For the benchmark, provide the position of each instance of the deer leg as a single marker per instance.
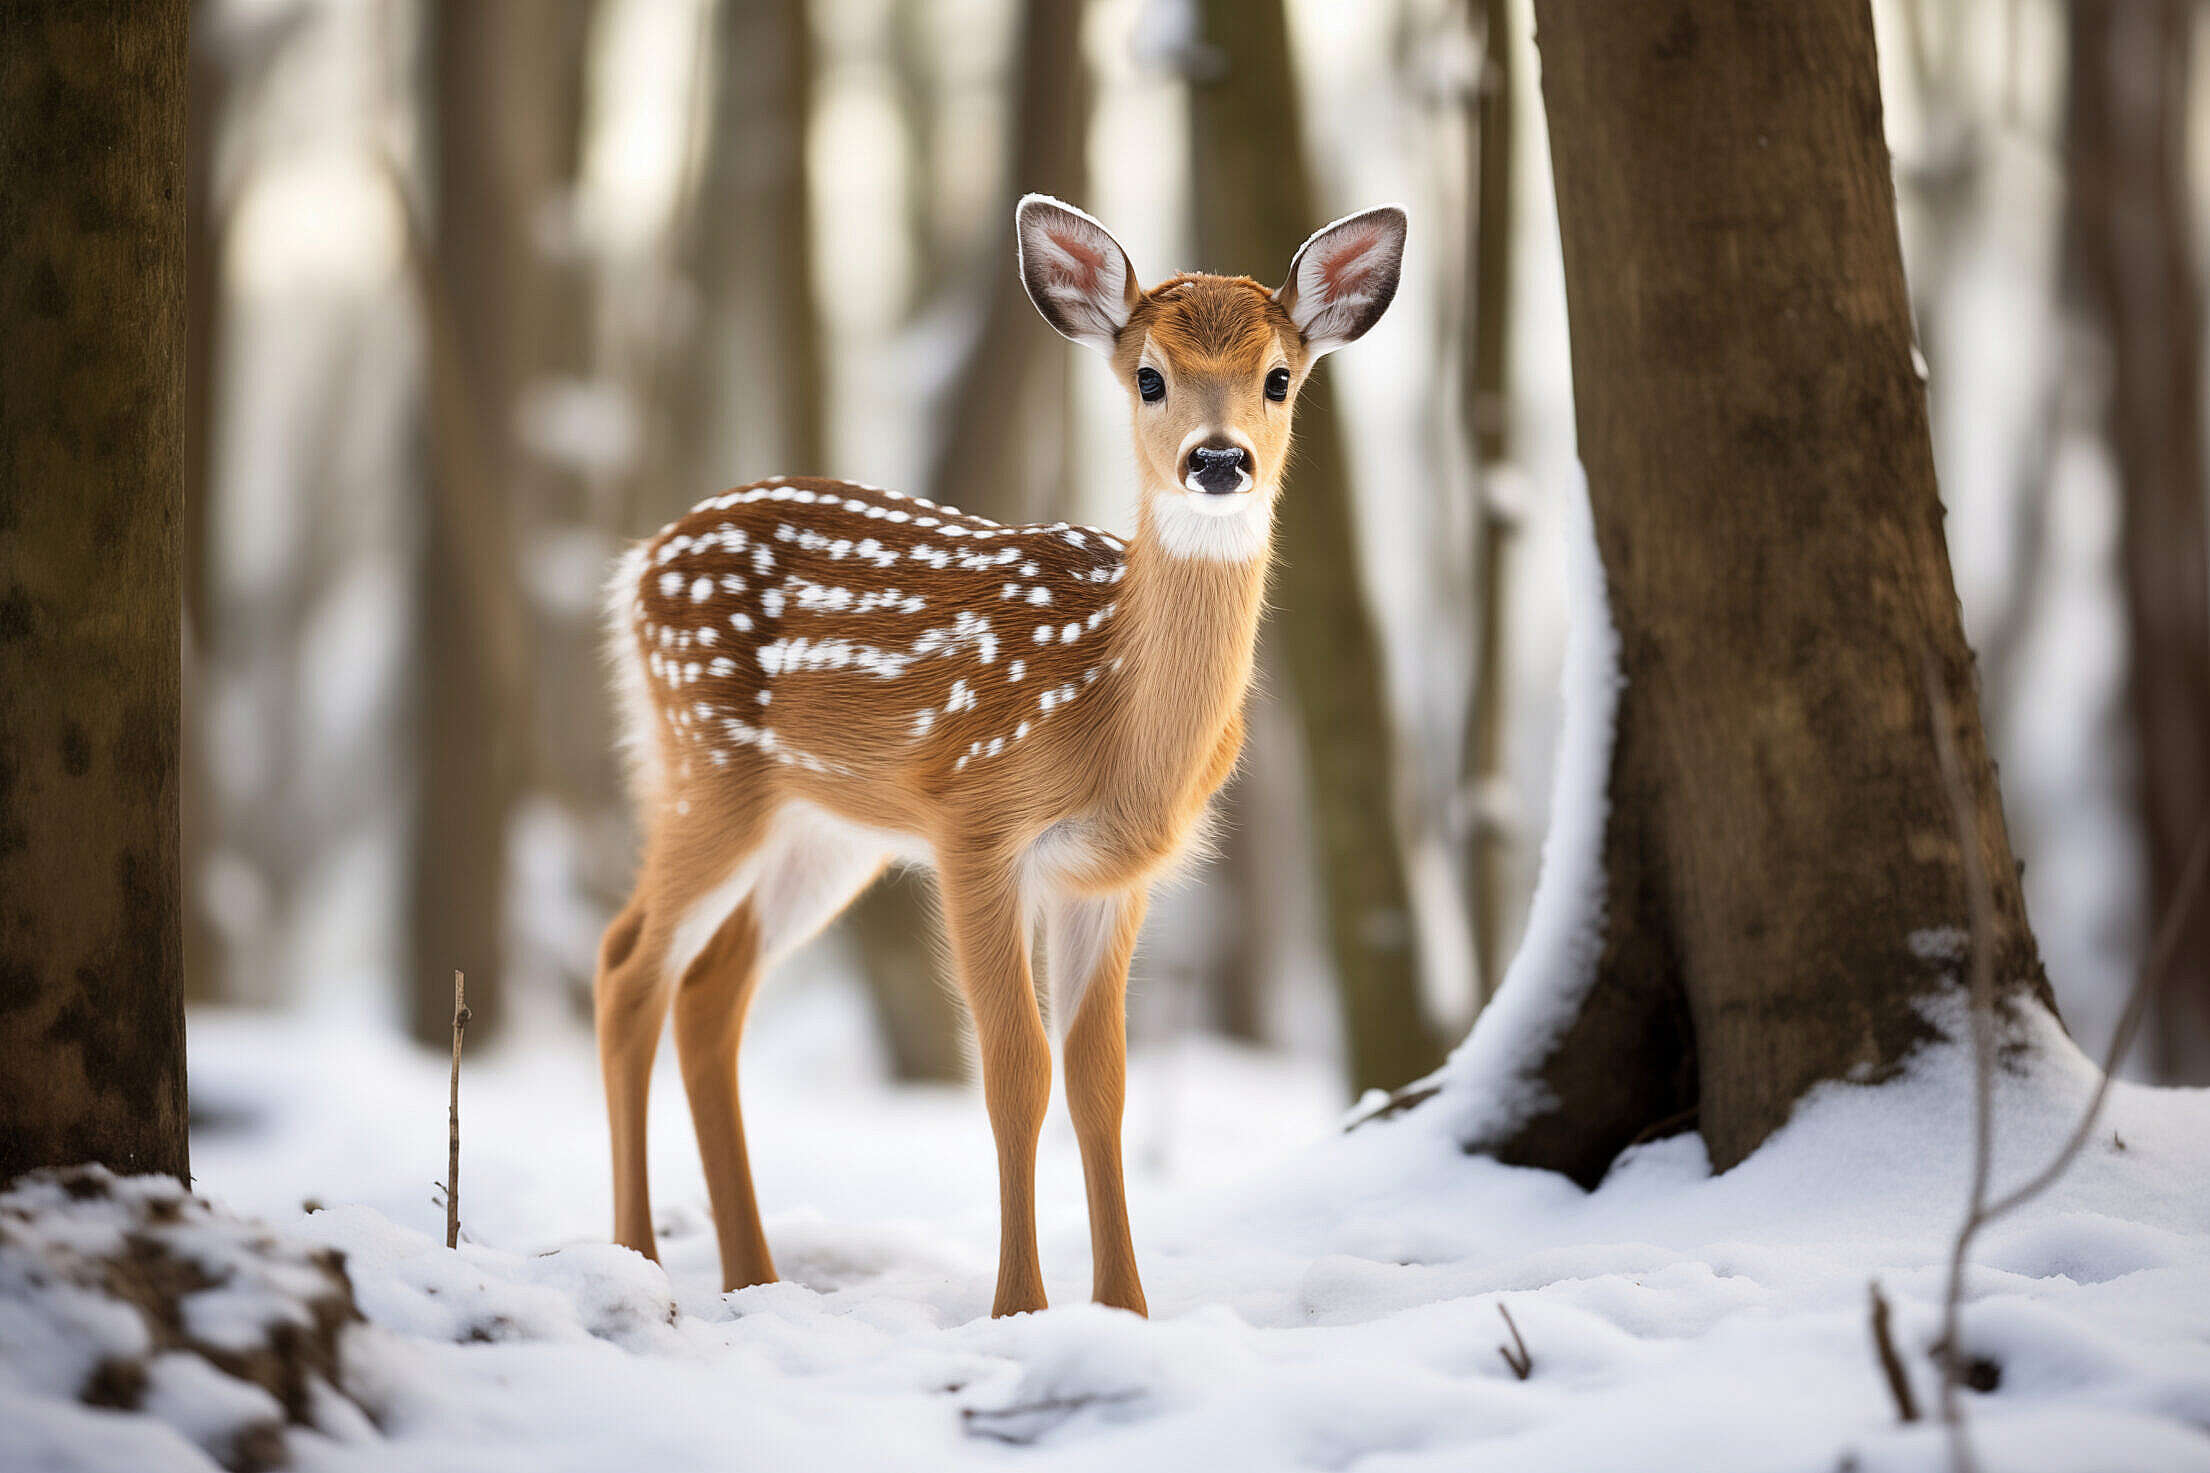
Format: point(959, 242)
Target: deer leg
point(806, 874)
point(631, 1002)
point(710, 1005)
point(1089, 942)
point(984, 917)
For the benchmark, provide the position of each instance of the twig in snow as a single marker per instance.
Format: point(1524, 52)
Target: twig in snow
point(1409, 1097)
point(1982, 1007)
point(452, 1122)
point(1521, 1363)
point(1891, 1364)
point(1021, 1424)
point(1666, 1126)
point(1981, 1212)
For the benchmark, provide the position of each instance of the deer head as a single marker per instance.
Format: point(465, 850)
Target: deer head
point(1212, 364)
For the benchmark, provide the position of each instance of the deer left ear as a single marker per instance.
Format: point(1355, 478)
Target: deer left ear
point(1344, 277)
point(1075, 272)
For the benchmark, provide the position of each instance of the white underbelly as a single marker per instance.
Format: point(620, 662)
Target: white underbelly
point(808, 868)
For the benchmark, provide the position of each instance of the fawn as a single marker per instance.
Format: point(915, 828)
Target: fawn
point(819, 678)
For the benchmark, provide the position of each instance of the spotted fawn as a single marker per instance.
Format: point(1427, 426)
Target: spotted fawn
point(818, 678)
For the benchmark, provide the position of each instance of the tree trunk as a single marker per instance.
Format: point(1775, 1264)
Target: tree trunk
point(92, 102)
point(1785, 880)
point(497, 72)
point(1004, 454)
point(1253, 206)
point(2130, 237)
point(206, 86)
point(756, 404)
point(1482, 411)
point(1005, 447)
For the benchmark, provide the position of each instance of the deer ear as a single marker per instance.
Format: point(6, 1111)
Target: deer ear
point(1342, 279)
point(1075, 272)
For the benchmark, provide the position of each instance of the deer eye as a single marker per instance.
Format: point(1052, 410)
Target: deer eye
point(1150, 385)
point(1277, 385)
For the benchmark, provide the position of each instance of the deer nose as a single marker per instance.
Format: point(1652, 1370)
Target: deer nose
point(1218, 470)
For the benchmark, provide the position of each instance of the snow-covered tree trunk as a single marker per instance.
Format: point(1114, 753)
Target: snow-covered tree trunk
point(91, 460)
point(1782, 879)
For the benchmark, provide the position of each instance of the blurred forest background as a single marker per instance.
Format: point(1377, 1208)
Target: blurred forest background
point(479, 289)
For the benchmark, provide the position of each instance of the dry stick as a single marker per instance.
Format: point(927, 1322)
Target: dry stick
point(452, 1119)
point(1891, 1364)
point(1522, 1363)
point(1982, 1212)
point(1982, 1003)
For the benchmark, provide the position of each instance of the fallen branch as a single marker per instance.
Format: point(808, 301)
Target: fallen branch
point(1672, 1123)
point(1891, 1364)
point(1409, 1097)
point(1522, 1363)
point(1023, 1423)
point(452, 1123)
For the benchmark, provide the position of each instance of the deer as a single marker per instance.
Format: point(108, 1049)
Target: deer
point(818, 678)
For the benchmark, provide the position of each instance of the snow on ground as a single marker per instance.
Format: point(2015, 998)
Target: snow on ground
point(1320, 1300)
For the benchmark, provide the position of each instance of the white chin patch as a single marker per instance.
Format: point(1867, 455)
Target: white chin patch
point(1232, 528)
point(1223, 503)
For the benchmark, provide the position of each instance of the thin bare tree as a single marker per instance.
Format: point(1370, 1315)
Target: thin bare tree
point(1254, 202)
point(2129, 236)
point(1003, 454)
point(504, 80)
point(1481, 381)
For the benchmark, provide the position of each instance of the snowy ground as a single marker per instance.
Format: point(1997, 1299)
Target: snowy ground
point(1319, 1300)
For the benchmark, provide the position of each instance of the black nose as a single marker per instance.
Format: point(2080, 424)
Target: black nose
point(1218, 469)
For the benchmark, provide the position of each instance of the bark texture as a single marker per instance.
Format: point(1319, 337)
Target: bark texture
point(2130, 65)
point(1785, 878)
point(92, 103)
point(1254, 206)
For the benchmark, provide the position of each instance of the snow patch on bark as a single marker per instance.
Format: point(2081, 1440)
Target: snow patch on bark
point(1491, 1083)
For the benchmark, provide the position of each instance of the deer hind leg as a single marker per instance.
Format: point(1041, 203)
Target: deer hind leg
point(805, 873)
point(630, 1000)
point(1088, 942)
point(987, 924)
point(656, 936)
point(710, 1005)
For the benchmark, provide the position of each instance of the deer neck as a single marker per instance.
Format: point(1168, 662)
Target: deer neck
point(1186, 636)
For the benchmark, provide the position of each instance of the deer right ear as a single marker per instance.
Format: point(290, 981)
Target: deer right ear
point(1075, 272)
point(1344, 278)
